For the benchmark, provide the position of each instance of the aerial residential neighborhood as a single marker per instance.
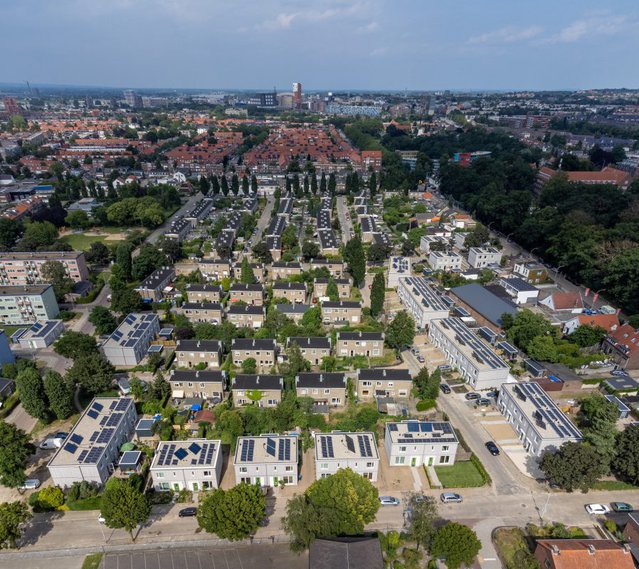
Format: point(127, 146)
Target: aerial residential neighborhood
point(304, 321)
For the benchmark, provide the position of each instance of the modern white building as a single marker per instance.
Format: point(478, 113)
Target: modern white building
point(480, 257)
point(92, 449)
point(422, 301)
point(417, 443)
point(267, 460)
point(521, 291)
point(128, 345)
point(336, 450)
point(444, 260)
point(535, 417)
point(27, 304)
point(39, 335)
point(471, 356)
point(398, 267)
point(195, 464)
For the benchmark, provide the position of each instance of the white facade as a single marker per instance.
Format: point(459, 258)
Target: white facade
point(357, 451)
point(417, 443)
point(480, 257)
point(128, 345)
point(421, 300)
point(398, 267)
point(267, 460)
point(444, 261)
point(27, 304)
point(471, 356)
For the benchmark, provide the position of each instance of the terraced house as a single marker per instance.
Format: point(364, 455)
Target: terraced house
point(383, 382)
point(246, 315)
point(267, 460)
point(204, 293)
point(259, 390)
point(325, 388)
point(320, 285)
point(281, 270)
point(341, 313)
point(293, 292)
point(191, 353)
point(249, 293)
point(357, 451)
point(313, 348)
point(263, 351)
point(201, 384)
point(210, 312)
point(368, 344)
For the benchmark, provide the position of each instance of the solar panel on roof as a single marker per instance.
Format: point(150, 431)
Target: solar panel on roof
point(122, 404)
point(270, 447)
point(113, 405)
point(94, 436)
point(36, 327)
point(75, 438)
point(195, 448)
point(130, 319)
point(83, 455)
point(93, 414)
point(97, 406)
point(413, 427)
point(350, 445)
point(181, 453)
point(251, 448)
point(392, 427)
point(70, 447)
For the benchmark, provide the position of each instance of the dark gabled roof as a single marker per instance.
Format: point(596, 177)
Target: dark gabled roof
point(247, 287)
point(246, 381)
point(341, 304)
point(384, 373)
point(366, 336)
point(319, 342)
point(204, 288)
point(293, 308)
point(246, 309)
point(202, 306)
point(285, 285)
point(283, 264)
point(345, 553)
point(321, 379)
point(198, 345)
point(201, 375)
point(253, 344)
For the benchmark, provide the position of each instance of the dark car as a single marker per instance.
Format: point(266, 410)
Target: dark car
point(492, 448)
point(187, 512)
point(445, 388)
point(621, 507)
point(472, 396)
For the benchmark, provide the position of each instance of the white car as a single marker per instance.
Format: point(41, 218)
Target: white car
point(597, 509)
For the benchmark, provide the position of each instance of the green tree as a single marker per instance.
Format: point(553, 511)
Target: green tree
point(354, 256)
point(10, 230)
point(15, 449)
point(253, 184)
point(123, 258)
point(98, 253)
point(314, 183)
point(50, 498)
point(54, 272)
point(310, 250)
point(340, 504)
point(457, 544)
point(78, 219)
point(574, 465)
point(38, 234)
point(232, 514)
point(93, 372)
point(32, 395)
point(331, 290)
point(378, 293)
point(332, 184)
point(289, 237)
point(526, 326)
point(378, 253)
point(422, 517)
point(103, 320)
point(312, 320)
point(247, 276)
point(148, 260)
point(13, 515)
point(262, 252)
point(249, 365)
point(59, 394)
point(543, 348)
point(400, 333)
point(75, 344)
point(586, 336)
point(124, 300)
point(625, 464)
point(124, 505)
point(323, 184)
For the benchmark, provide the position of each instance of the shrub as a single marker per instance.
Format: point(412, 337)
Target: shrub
point(611, 526)
point(47, 499)
point(160, 497)
point(184, 496)
point(425, 404)
point(82, 490)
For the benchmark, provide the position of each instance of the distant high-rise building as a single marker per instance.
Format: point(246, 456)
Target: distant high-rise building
point(297, 95)
point(11, 107)
point(132, 98)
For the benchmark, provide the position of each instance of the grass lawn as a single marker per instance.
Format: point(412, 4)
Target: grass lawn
point(9, 330)
point(460, 475)
point(512, 547)
point(92, 561)
point(82, 242)
point(93, 503)
point(613, 485)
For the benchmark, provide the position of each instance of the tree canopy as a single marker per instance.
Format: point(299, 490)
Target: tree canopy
point(16, 448)
point(124, 505)
point(400, 333)
point(457, 544)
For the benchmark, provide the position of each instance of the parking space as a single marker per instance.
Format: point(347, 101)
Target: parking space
point(396, 481)
point(257, 556)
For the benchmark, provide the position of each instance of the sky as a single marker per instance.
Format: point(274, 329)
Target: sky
point(324, 44)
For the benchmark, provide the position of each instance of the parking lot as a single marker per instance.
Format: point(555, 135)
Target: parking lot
point(256, 556)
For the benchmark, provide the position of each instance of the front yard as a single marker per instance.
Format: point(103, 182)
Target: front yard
point(462, 474)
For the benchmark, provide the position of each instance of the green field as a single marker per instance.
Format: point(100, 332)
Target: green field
point(460, 475)
point(92, 561)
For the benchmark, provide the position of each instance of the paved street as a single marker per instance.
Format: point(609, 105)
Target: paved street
point(346, 225)
point(264, 219)
point(155, 235)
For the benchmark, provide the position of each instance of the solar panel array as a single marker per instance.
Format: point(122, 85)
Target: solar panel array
point(424, 432)
point(546, 411)
point(364, 445)
point(327, 447)
point(270, 447)
point(424, 293)
point(284, 452)
point(248, 448)
point(170, 454)
point(481, 352)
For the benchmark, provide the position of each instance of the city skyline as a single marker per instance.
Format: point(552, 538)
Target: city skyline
point(335, 44)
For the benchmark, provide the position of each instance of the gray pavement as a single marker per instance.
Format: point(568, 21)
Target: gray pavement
point(264, 219)
point(155, 235)
point(346, 225)
point(21, 419)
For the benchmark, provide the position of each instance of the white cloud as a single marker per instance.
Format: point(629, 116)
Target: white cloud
point(368, 28)
point(285, 20)
point(604, 25)
point(509, 34)
point(378, 52)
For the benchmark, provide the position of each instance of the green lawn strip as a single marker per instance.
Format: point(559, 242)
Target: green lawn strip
point(93, 503)
point(613, 485)
point(460, 475)
point(92, 561)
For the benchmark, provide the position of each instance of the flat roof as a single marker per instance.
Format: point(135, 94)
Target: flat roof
point(268, 448)
point(131, 330)
point(419, 288)
point(39, 329)
point(484, 302)
point(338, 445)
point(471, 345)
point(192, 453)
point(622, 383)
point(542, 411)
point(25, 290)
point(519, 284)
point(34, 255)
point(94, 431)
point(409, 432)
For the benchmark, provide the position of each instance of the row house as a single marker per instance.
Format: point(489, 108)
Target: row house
point(325, 388)
point(341, 313)
point(314, 349)
point(261, 390)
point(210, 312)
point(191, 353)
point(417, 443)
point(293, 311)
point(267, 460)
point(263, 351)
point(383, 382)
point(204, 293)
point(249, 293)
point(293, 292)
point(246, 315)
point(338, 450)
point(281, 270)
point(152, 287)
point(368, 344)
point(215, 269)
point(320, 286)
point(200, 384)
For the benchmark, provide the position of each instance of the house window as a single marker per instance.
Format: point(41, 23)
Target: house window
point(444, 459)
point(445, 448)
point(402, 449)
point(207, 473)
point(370, 465)
point(159, 474)
point(324, 466)
point(289, 469)
point(164, 486)
point(243, 469)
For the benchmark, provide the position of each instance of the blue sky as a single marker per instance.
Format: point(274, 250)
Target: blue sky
point(325, 44)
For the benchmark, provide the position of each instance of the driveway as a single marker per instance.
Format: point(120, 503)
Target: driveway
point(21, 419)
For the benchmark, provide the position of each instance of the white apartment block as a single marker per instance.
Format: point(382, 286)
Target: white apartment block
point(444, 261)
point(417, 443)
point(25, 268)
point(337, 450)
point(422, 301)
point(267, 460)
point(27, 304)
point(128, 345)
point(398, 267)
point(480, 257)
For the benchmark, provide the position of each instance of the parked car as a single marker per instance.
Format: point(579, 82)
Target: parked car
point(51, 444)
point(445, 388)
point(597, 509)
point(60, 435)
point(30, 484)
point(388, 501)
point(187, 512)
point(472, 396)
point(483, 402)
point(619, 372)
point(492, 394)
point(101, 519)
point(414, 351)
point(444, 367)
point(622, 507)
point(421, 359)
point(451, 498)
point(492, 448)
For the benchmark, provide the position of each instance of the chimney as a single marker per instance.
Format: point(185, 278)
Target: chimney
point(257, 380)
point(198, 343)
point(321, 378)
point(591, 549)
point(555, 549)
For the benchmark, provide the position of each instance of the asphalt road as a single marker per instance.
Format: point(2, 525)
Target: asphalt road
point(264, 220)
point(345, 224)
point(155, 235)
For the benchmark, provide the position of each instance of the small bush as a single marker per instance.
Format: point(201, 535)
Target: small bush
point(47, 499)
point(426, 404)
point(160, 497)
point(184, 496)
point(82, 490)
point(611, 526)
